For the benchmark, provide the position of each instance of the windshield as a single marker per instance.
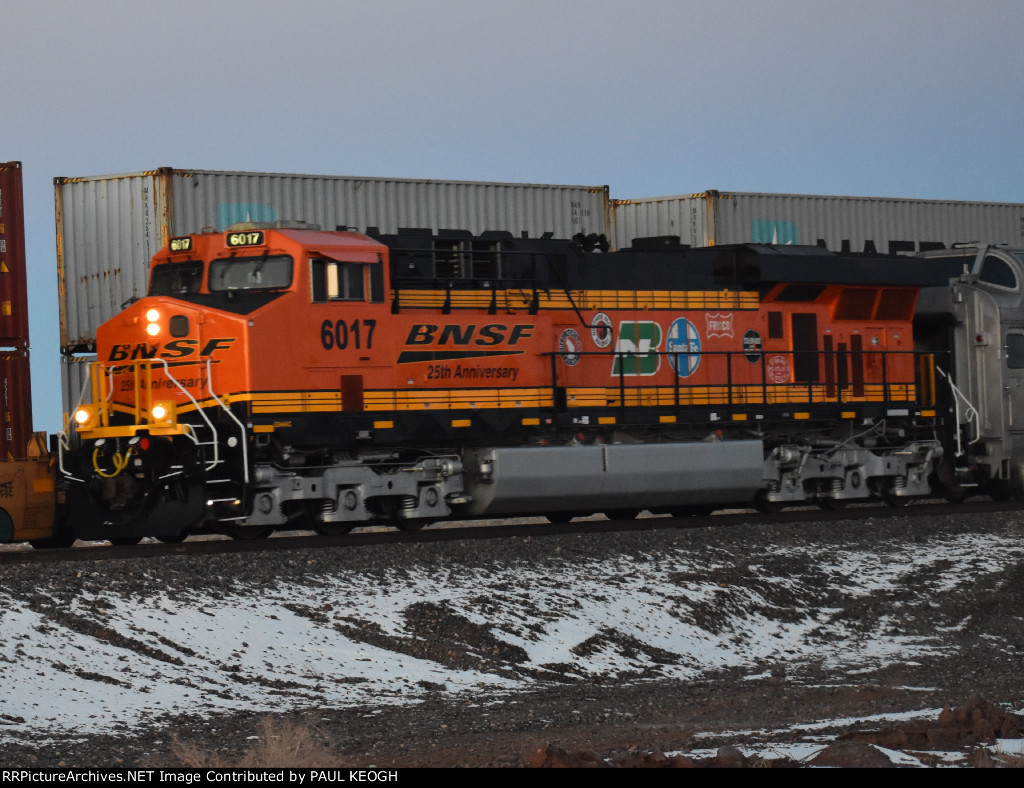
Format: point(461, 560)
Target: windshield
point(267, 272)
point(171, 279)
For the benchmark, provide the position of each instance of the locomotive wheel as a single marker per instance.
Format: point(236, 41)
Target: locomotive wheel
point(62, 536)
point(333, 529)
point(763, 505)
point(559, 517)
point(623, 514)
point(832, 504)
point(175, 539)
point(54, 542)
point(125, 541)
point(954, 494)
point(999, 490)
point(247, 532)
point(692, 511)
point(896, 501)
point(412, 525)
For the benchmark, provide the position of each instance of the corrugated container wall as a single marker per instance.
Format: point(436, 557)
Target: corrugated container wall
point(108, 227)
point(13, 282)
point(74, 379)
point(852, 223)
point(15, 404)
point(15, 377)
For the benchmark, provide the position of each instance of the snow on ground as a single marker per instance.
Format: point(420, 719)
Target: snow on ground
point(114, 660)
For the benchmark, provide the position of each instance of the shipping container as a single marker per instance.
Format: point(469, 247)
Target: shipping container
point(108, 227)
point(15, 377)
point(879, 224)
point(74, 381)
point(13, 284)
point(15, 404)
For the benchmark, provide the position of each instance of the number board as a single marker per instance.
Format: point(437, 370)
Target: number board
point(247, 238)
point(181, 244)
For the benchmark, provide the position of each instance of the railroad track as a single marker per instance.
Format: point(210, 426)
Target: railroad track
point(444, 532)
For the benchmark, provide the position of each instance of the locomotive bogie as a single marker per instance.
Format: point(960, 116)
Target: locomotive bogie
point(840, 474)
point(357, 492)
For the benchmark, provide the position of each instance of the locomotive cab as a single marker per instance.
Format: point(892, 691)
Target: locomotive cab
point(185, 389)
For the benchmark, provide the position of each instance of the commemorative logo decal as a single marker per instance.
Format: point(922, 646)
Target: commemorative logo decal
point(569, 346)
point(601, 330)
point(752, 346)
point(718, 325)
point(683, 347)
point(778, 369)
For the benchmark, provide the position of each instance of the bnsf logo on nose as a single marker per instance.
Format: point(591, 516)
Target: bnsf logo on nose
point(178, 348)
point(491, 334)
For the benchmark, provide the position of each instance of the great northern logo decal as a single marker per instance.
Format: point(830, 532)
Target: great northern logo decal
point(569, 347)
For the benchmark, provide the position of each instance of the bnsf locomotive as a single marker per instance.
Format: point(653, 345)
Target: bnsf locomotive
point(280, 375)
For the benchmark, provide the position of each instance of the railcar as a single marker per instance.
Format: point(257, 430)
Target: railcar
point(975, 319)
point(278, 374)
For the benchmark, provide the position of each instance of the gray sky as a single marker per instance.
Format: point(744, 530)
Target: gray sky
point(907, 98)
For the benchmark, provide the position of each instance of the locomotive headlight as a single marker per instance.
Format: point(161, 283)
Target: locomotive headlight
point(153, 328)
point(85, 417)
point(162, 414)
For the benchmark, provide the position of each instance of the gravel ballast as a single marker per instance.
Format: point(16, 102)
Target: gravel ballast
point(479, 653)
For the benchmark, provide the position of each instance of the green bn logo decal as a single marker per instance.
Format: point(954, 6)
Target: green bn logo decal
point(636, 349)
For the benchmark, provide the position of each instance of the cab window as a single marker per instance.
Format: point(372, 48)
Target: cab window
point(996, 271)
point(1015, 351)
point(173, 279)
point(267, 272)
point(334, 280)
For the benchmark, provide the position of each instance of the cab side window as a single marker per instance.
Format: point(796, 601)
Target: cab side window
point(337, 281)
point(1015, 351)
point(995, 271)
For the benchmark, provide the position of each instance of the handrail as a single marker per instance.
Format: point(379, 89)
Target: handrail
point(970, 414)
point(837, 391)
point(241, 427)
point(201, 411)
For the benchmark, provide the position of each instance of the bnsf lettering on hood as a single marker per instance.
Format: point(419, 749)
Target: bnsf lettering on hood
point(469, 334)
point(178, 348)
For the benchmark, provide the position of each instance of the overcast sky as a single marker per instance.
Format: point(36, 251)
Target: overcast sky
point(907, 98)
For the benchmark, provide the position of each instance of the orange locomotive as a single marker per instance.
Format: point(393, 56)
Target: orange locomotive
point(277, 375)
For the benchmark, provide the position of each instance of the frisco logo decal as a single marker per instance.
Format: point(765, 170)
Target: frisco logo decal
point(719, 325)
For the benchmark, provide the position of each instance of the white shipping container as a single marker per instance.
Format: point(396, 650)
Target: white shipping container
point(856, 224)
point(109, 226)
point(74, 381)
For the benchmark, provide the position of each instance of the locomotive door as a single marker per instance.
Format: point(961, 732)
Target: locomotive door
point(1013, 375)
